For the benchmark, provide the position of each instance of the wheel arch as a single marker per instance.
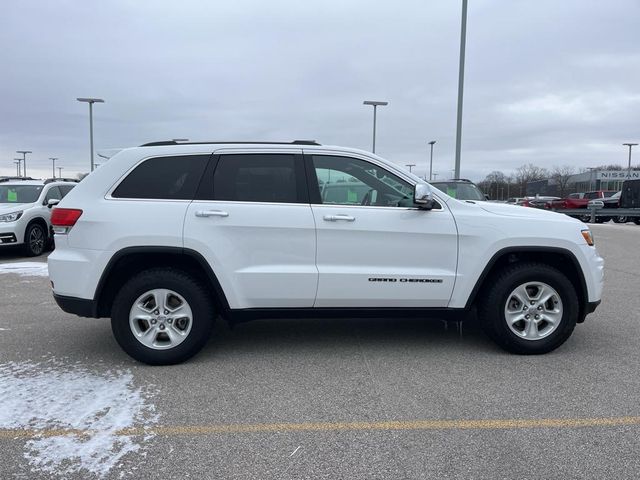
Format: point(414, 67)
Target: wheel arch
point(130, 260)
point(556, 257)
point(39, 220)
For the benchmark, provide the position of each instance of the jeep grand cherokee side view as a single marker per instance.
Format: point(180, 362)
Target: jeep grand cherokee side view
point(165, 237)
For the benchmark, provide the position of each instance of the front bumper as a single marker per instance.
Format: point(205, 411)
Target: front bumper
point(8, 238)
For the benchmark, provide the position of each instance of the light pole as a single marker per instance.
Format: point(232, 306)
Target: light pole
point(375, 106)
point(410, 165)
point(591, 170)
point(431, 143)
point(24, 160)
point(53, 161)
point(60, 172)
point(630, 145)
point(463, 39)
point(91, 101)
point(17, 161)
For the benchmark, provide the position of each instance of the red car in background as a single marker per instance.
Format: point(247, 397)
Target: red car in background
point(580, 200)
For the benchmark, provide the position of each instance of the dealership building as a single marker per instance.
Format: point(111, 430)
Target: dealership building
point(585, 182)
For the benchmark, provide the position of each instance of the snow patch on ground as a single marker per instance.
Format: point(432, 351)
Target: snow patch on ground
point(51, 395)
point(25, 269)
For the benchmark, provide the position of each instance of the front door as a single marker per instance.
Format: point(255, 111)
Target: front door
point(374, 247)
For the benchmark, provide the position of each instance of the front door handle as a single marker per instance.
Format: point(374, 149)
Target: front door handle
point(335, 218)
point(211, 213)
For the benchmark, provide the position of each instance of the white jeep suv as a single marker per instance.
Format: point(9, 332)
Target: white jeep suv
point(25, 209)
point(165, 237)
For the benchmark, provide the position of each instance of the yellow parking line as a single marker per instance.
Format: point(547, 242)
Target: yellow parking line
point(488, 424)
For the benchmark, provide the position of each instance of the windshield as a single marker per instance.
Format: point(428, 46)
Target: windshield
point(20, 193)
point(461, 191)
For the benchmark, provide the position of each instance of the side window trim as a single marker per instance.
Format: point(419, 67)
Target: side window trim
point(313, 186)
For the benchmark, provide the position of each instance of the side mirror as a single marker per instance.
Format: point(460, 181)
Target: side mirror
point(53, 202)
point(423, 197)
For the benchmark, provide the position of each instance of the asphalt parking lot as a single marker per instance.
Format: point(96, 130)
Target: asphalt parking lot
point(352, 399)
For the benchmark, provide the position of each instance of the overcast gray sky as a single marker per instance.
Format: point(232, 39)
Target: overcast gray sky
point(547, 81)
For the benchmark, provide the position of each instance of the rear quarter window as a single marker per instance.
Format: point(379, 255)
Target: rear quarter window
point(167, 178)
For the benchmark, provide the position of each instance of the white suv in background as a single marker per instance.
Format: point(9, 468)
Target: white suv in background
point(165, 237)
point(25, 210)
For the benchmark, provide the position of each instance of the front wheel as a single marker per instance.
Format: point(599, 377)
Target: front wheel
point(620, 219)
point(162, 316)
point(529, 308)
point(35, 240)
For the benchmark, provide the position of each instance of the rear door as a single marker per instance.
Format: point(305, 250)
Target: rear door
point(252, 222)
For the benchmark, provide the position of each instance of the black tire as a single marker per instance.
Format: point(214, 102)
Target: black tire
point(35, 240)
point(636, 221)
point(197, 297)
point(493, 301)
point(620, 219)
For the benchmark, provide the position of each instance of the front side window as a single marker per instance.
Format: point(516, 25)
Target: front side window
point(257, 177)
point(53, 194)
point(351, 181)
point(20, 193)
point(64, 189)
point(167, 178)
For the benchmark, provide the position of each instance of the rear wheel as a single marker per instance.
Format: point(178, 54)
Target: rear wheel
point(162, 317)
point(620, 219)
point(636, 221)
point(529, 308)
point(35, 240)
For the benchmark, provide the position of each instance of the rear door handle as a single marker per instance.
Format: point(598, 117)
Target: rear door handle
point(211, 213)
point(335, 218)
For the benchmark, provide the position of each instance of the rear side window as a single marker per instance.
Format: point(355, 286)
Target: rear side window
point(257, 177)
point(168, 178)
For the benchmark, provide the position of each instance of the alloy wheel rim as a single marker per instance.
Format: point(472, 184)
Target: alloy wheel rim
point(36, 240)
point(160, 319)
point(533, 310)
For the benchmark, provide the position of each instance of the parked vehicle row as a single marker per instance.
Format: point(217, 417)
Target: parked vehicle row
point(25, 211)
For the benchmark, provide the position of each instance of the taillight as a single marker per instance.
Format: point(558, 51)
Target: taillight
point(62, 219)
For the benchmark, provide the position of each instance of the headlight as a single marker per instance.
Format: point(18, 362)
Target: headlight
point(10, 217)
point(588, 237)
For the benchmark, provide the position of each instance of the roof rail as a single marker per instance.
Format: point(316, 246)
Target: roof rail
point(51, 180)
point(8, 179)
point(173, 142)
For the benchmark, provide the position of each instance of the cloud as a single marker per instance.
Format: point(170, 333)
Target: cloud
point(544, 79)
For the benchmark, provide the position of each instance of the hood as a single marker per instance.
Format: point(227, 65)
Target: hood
point(519, 211)
point(12, 207)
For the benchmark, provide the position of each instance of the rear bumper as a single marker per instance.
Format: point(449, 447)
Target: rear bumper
point(77, 306)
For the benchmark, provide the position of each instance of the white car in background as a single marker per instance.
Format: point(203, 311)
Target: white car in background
point(25, 211)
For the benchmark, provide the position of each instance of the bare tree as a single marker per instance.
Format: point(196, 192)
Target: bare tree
point(529, 173)
point(561, 176)
point(611, 166)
